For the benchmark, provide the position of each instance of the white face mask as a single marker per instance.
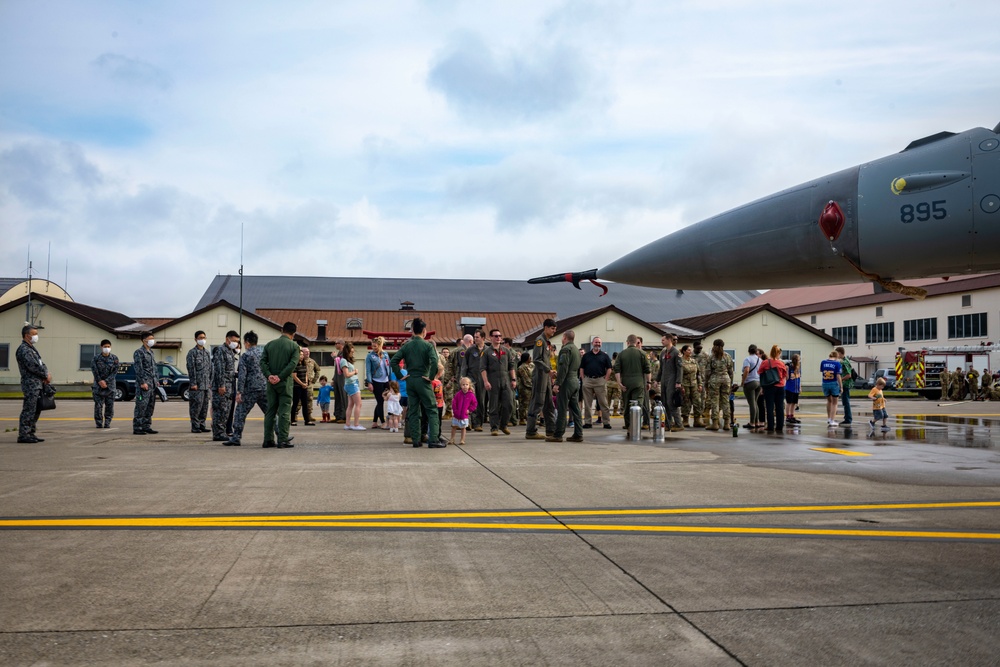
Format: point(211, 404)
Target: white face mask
point(151, 342)
point(34, 339)
point(233, 345)
point(105, 351)
point(201, 341)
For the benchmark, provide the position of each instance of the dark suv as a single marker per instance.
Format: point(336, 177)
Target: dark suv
point(171, 380)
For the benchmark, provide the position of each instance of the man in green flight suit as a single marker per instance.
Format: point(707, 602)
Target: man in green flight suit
point(422, 364)
point(632, 372)
point(541, 398)
point(277, 363)
point(566, 388)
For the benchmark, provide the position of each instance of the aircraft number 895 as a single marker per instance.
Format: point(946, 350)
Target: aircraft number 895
point(923, 211)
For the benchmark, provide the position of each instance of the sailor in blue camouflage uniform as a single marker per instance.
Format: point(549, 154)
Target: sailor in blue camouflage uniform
point(251, 386)
point(199, 369)
point(223, 385)
point(104, 366)
point(145, 385)
point(34, 374)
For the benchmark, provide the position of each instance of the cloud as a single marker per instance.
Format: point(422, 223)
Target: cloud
point(483, 84)
point(42, 175)
point(133, 72)
point(522, 189)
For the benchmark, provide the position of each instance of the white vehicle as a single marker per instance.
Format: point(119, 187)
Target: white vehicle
point(888, 373)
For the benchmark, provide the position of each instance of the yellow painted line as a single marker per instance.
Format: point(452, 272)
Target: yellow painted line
point(153, 521)
point(556, 527)
point(842, 452)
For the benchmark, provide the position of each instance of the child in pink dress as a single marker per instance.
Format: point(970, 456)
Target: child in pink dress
point(462, 406)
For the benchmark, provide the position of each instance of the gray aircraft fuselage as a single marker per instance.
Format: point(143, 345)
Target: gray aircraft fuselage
point(931, 210)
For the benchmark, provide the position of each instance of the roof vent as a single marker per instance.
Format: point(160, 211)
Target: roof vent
point(406, 305)
point(354, 323)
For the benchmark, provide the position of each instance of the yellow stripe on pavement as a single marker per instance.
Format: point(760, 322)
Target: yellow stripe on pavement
point(842, 452)
point(547, 527)
point(274, 519)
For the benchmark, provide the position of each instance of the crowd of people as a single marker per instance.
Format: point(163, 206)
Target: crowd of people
point(484, 381)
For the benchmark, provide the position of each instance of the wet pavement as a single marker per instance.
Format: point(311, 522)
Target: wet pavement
point(819, 546)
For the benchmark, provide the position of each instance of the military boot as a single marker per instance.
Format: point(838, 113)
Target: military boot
point(698, 423)
point(714, 426)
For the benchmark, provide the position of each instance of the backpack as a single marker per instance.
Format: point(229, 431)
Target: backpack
point(770, 377)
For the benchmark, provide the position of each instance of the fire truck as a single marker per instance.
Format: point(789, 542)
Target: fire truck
point(920, 370)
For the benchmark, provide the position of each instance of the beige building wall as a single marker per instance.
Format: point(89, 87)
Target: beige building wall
point(767, 329)
point(611, 327)
point(58, 343)
point(215, 323)
point(940, 307)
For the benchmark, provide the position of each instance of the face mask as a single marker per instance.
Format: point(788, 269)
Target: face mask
point(233, 345)
point(151, 342)
point(201, 341)
point(105, 351)
point(34, 339)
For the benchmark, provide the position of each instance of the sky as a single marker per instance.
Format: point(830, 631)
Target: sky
point(440, 138)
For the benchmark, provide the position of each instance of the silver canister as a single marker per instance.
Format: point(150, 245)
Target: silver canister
point(635, 422)
point(658, 413)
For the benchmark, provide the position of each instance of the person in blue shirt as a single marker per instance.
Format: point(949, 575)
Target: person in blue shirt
point(323, 401)
point(830, 372)
point(792, 389)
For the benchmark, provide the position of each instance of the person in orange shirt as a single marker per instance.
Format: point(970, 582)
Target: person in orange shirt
point(878, 405)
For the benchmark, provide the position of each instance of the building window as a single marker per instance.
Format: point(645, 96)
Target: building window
point(786, 355)
point(925, 329)
point(354, 323)
point(87, 353)
point(812, 319)
point(846, 335)
point(966, 301)
point(878, 311)
point(322, 357)
point(407, 325)
point(967, 326)
point(884, 332)
point(5, 356)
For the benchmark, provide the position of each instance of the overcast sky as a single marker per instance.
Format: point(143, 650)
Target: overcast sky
point(440, 138)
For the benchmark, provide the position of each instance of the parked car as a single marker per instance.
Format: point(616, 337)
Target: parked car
point(888, 373)
point(171, 380)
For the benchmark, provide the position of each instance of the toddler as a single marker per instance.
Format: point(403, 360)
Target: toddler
point(462, 406)
point(393, 408)
point(878, 406)
point(324, 398)
point(438, 388)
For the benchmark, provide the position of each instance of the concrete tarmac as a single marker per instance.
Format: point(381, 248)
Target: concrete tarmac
point(821, 546)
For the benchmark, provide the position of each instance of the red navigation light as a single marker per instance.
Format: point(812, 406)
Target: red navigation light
point(831, 221)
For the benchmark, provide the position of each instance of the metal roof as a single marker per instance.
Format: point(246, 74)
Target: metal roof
point(712, 322)
point(438, 294)
point(445, 325)
point(108, 320)
point(805, 300)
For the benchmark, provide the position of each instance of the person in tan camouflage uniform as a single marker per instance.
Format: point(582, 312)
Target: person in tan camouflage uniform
point(614, 393)
point(693, 385)
point(720, 378)
point(444, 357)
point(525, 370)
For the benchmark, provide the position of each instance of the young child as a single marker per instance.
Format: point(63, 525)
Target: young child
point(462, 405)
point(324, 398)
point(878, 406)
point(393, 409)
point(438, 388)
